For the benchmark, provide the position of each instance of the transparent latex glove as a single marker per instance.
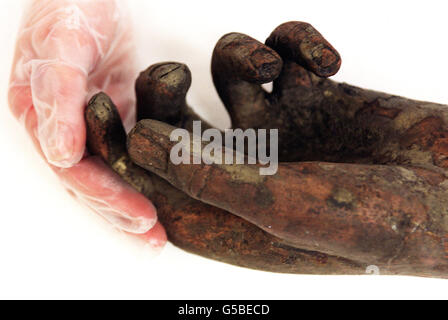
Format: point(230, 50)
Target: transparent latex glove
point(66, 52)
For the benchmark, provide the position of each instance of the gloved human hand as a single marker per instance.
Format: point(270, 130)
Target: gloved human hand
point(67, 51)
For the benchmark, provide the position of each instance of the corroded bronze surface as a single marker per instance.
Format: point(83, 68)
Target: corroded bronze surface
point(195, 226)
point(389, 216)
point(363, 179)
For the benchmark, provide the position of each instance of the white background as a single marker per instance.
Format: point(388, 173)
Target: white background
point(52, 247)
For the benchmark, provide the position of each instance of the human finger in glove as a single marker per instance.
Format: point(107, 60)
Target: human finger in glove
point(66, 51)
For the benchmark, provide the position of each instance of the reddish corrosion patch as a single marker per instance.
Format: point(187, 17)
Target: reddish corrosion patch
point(430, 177)
point(431, 135)
point(374, 109)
